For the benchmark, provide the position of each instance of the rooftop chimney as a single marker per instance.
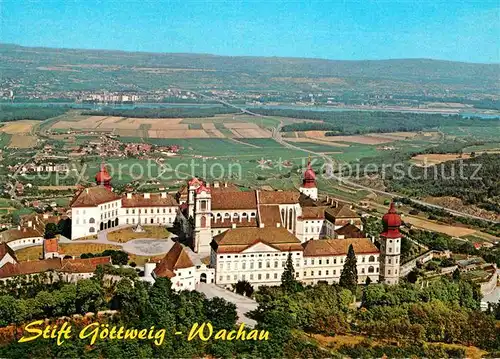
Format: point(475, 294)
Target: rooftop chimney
point(216, 184)
point(261, 225)
point(163, 194)
point(233, 225)
point(146, 195)
point(129, 195)
point(278, 225)
point(225, 183)
point(30, 224)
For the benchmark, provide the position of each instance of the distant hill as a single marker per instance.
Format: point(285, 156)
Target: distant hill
point(93, 69)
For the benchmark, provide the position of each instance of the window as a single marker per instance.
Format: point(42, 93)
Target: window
point(371, 259)
point(327, 272)
point(267, 276)
point(259, 276)
point(243, 265)
point(251, 276)
point(275, 275)
point(276, 264)
point(390, 261)
point(312, 273)
point(260, 265)
point(362, 271)
point(319, 261)
point(312, 261)
point(370, 269)
point(327, 261)
point(251, 265)
point(268, 264)
point(305, 262)
point(389, 271)
point(319, 273)
point(305, 273)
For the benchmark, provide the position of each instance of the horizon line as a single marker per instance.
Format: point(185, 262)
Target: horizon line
point(245, 56)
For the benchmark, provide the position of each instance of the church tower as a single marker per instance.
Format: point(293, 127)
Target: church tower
point(390, 247)
point(202, 220)
point(309, 183)
point(103, 177)
point(193, 185)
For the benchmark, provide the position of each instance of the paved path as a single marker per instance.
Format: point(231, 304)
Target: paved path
point(243, 304)
point(140, 246)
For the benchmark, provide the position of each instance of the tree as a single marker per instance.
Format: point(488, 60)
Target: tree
point(288, 281)
point(349, 276)
point(50, 230)
point(89, 296)
point(243, 287)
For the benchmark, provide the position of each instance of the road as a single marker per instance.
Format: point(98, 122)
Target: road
point(243, 304)
point(276, 135)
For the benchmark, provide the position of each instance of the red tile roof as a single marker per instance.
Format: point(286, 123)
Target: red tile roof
point(234, 200)
point(54, 264)
point(270, 215)
point(93, 196)
point(5, 249)
point(50, 245)
point(154, 200)
point(239, 239)
point(176, 258)
point(313, 212)
point(14, 234)
point(279, 197)
point(337, 247)
point(350, 231)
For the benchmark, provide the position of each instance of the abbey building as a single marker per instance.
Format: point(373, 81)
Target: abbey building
point(247, 235)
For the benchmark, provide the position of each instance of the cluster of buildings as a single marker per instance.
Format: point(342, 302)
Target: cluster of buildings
point(245, 235)
point(107, 146)
point(39, 168)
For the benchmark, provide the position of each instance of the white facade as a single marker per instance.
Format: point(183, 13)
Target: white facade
point(87, 221)
point(260, 265)
point(311, 192)
point(329, 268)
point(390, 259)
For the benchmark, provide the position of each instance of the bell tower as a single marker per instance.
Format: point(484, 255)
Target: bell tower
point(390, 247)
point(309, 183)
point(202, 220)
point(103, 178)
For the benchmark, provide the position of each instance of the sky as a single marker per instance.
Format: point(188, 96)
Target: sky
point(466, 31)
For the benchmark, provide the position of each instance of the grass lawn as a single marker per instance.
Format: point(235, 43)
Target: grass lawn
point(127, 234)
point(30, 253)
point(76, 249)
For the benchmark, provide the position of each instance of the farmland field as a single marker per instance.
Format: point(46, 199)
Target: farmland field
point(20, 133)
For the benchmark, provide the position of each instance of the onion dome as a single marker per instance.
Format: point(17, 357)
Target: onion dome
point(392, 222)
point(103, 177)
point(202, 188)
point(309, 180)
point(194, 181)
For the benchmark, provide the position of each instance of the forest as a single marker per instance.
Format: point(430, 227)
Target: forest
point(359, 122)
point(177, 112)
point(473, 180)
point(399, 321)
point(16, 113)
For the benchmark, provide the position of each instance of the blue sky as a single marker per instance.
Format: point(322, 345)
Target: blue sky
point(364, 29)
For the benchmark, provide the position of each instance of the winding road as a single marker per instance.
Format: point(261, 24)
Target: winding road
point(276, 135)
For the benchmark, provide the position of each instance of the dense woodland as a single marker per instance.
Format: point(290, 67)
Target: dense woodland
point(454, 178)
point(401, 321)
point(177, 112)
point(358, 122)
point(15, 113)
